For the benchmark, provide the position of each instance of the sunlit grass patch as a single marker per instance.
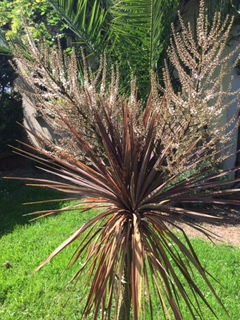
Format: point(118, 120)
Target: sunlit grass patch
point(24, 295)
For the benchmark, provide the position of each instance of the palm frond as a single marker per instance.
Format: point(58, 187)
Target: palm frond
point(4, 47)
point(141, 29)
point(86, 19)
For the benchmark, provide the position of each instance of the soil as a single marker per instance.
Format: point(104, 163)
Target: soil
point(222, 234)
point(226, 233)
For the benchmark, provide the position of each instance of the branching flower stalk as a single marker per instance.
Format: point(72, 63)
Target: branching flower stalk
point(201, 68)
point(147, 167)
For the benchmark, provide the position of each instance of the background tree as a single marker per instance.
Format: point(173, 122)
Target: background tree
point(123, 30)
point(97, 27)
point(10, 107)
point(38, 15)
point(43, 22)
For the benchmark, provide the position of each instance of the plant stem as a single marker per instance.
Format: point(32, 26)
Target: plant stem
point(124, 312)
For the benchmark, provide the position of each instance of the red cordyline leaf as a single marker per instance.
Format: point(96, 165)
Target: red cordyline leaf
point(129, 247)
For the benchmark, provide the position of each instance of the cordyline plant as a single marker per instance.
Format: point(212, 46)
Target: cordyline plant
point(147, 169)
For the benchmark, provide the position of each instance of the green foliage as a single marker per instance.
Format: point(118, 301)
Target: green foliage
point(10, 106)
point(87, 19)
point(42, 21)
point(124, 31)
point(140, 32)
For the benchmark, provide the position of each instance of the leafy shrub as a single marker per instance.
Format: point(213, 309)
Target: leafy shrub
point(10, 107)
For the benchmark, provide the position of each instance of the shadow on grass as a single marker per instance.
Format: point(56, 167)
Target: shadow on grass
point(12, 196)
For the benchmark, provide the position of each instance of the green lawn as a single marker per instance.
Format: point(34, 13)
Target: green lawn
point(24, 295)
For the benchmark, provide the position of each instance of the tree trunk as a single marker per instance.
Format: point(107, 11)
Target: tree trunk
point(125, 307)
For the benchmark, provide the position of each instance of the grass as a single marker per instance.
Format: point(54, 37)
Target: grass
point(24, 244)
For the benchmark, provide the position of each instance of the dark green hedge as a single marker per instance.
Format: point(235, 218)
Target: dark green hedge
point(10, 107)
